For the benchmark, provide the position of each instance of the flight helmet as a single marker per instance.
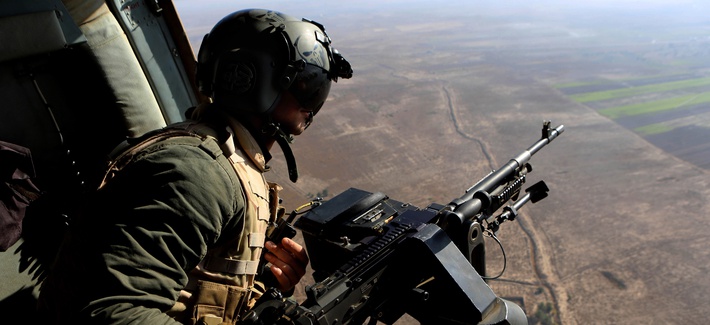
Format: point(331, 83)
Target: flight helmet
point(251, 56)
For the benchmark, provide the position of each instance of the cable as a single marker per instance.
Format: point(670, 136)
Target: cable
point(505, 260)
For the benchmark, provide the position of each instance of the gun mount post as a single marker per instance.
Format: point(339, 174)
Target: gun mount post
point(469, 239)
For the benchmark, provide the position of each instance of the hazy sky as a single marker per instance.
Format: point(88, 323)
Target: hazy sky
point(199, 16)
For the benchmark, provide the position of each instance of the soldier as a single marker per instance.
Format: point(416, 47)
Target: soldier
point(176, 230)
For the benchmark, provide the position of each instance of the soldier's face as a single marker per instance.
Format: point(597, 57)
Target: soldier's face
point(292, 118)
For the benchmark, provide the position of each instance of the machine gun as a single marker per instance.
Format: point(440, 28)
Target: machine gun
point(377, 258)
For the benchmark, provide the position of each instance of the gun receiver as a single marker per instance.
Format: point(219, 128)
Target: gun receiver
point(377, 258)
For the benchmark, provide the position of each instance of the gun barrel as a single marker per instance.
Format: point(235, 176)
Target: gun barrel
point(477, 197)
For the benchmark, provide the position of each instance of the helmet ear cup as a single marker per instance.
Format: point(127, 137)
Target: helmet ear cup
point(235, 75)
point(246, 80)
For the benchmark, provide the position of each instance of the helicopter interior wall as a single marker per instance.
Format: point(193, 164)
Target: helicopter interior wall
point(70, 100)
point(160, 43)
point(64, 115)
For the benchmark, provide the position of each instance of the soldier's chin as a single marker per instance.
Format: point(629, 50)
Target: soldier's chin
point(298, 131)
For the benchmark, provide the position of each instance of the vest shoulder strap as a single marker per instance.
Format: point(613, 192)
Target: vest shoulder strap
point(204, 138)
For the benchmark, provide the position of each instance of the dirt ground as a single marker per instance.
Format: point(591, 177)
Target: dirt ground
point(622, 238)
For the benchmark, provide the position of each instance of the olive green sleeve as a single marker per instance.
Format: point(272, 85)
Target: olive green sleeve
point(126, 260)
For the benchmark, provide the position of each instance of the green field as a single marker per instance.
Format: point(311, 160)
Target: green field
point(676, 114)
point(634, 91)
point(656, 106)
point(651, 129)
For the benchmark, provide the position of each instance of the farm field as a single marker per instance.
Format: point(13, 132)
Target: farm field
point(670, 112)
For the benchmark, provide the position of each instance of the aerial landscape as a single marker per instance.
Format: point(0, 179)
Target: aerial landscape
point(445, 92)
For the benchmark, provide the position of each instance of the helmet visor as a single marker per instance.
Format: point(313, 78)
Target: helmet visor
point(311, 88)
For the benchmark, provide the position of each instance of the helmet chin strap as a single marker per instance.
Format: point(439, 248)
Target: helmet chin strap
point(284, 140)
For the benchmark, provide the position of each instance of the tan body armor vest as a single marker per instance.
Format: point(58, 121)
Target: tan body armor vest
point(226, 277)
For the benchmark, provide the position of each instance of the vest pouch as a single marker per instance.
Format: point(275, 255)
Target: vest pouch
point(218, 304)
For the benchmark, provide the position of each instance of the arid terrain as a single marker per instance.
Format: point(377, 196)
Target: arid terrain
point(444, 93)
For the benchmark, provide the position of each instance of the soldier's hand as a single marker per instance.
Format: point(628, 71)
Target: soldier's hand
point(288, 262)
